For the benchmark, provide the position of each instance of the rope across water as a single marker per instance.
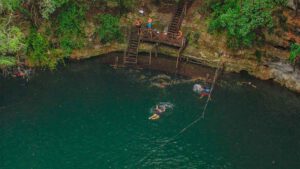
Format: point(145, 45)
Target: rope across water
point(202, 115)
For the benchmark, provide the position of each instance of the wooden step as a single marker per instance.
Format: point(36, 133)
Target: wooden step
point(172, 29)
point(172, 32)
point(131, 58)
point(130, 62)
point(132, 50)
point(132, 53)
point(132, 46)
point(133, 43)
point(174, 24)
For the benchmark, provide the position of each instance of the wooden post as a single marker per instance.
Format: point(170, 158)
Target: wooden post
point(150, 58)
point(116, 62)
point(177, 62)
point(156, 49)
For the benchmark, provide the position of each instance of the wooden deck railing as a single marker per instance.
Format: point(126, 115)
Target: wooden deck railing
point(150, 35)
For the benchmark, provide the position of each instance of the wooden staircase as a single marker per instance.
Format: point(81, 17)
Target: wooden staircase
point(177, 19)
point(131, 54)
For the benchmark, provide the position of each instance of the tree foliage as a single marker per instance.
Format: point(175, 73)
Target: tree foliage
point(6, 61)
point(37, 48)
point(11, 40)
point(47, 7)
point(70, 27)
point(40, 52)
point(109, 29)
point(9, 5)
point(243, 21)
point(295, 52)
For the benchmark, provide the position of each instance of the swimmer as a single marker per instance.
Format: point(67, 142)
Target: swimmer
point(158, 112)
point(249, 84)
point(205, 92)
point(197, 88)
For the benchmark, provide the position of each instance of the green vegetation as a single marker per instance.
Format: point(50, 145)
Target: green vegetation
point(6, 61)
point(47, 7)
point(11, 40)
point(70, 27)
point(243, 21)
point(37, 48)
point(295, 52)
point(60, 26)
point(9, 5)
point(108, 29)
point(11, 43)
point(40, 53)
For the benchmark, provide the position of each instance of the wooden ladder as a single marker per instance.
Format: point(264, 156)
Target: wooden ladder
point(131, 54)
point(177, 19)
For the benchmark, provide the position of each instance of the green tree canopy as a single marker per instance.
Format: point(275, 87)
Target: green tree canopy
point(37, 48)
point(109, 29)
point(9, 5)
point(47, 7)
point(6, 61)
point(70, 27)
point(11, 40)
point(243, 21)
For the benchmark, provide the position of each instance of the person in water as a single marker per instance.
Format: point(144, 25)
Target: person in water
point(248, 84)
point(158, 111)
point(205, 92)
point(202, 91)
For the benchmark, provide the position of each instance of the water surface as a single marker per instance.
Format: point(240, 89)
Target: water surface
point(87, 115)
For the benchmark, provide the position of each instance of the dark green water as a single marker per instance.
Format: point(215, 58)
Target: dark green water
point(88, 116)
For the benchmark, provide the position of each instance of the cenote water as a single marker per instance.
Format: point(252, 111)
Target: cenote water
point(87, 115)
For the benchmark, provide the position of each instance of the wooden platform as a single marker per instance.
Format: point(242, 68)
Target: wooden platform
point(173, 37)
point(153, 36)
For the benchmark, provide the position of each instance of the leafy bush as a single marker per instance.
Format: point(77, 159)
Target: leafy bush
point(295, 52)
point(70, 30)
point(11, 40)
point(243, 21)
point(36, 48)
point(40, 53)
point(109, 28)
point(9, 5)
point(47, 7)
point(6, 61)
